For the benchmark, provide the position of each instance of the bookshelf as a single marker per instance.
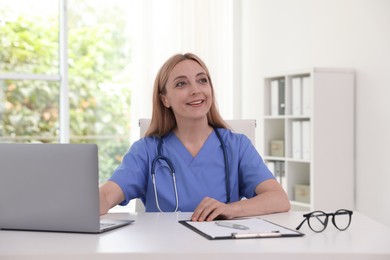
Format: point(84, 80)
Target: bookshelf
point(311, 119)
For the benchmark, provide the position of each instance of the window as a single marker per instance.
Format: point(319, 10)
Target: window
point(98, 81)
point(29, 82)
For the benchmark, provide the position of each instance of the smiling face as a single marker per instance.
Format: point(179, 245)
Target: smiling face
point(188, 91)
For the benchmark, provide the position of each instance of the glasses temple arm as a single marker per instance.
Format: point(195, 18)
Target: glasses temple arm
point(300, 225)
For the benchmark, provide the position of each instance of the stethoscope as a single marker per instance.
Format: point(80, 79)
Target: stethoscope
point(172, 171)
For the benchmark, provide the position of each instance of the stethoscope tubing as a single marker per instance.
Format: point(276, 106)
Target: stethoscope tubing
point(172, 172)
point(227, 170)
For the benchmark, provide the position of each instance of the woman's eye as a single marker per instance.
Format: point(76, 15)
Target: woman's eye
point(203, 80)
point(180, 84)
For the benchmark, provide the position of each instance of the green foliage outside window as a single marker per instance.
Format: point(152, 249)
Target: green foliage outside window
point(99, 92)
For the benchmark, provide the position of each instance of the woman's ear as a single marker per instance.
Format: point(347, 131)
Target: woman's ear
point(164, 100)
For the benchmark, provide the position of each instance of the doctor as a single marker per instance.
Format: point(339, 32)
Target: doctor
point(190, 160)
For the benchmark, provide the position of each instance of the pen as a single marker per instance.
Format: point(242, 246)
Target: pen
point(231, 225)
point(257, 235)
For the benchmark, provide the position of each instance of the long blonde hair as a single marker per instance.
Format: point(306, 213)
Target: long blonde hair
point(163, 118)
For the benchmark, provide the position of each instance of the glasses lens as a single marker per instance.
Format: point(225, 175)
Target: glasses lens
point(342, 219)
point(318, 221)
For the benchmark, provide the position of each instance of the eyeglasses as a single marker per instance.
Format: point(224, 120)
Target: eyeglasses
point(318, 220)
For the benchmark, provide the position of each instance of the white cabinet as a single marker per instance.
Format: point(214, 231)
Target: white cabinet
point(309, 114)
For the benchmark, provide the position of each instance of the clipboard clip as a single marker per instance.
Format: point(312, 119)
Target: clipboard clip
point(257, 234)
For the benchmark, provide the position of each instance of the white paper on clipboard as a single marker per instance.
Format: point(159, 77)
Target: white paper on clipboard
point(257, 228)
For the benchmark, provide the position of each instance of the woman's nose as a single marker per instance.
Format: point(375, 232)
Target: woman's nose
point(195, 88)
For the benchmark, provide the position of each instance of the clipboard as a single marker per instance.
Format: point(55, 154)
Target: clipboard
point(253, 228)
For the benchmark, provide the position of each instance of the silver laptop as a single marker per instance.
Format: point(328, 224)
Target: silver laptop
point(51, 187)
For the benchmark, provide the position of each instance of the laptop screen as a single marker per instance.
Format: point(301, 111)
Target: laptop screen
point(51, 187)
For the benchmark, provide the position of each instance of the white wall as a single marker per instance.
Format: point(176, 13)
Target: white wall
point(283, 35)
point(161, 29)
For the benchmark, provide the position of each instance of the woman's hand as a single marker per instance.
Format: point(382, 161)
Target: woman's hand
point(209, 209)
point(110, 195)
point(270, 198)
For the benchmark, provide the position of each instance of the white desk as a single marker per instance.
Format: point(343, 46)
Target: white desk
point(160, 236)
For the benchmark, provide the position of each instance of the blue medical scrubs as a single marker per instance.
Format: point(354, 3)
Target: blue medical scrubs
point(196, 177)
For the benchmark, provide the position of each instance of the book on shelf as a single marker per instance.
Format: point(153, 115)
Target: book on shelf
point(306, 139)
point(296, 92)
point(282, 106)
point(283, 179)
point(277, 97)
point(278, 170)
point(306, 96)
point(301, 139)
point(296, 141)
point(274, 97)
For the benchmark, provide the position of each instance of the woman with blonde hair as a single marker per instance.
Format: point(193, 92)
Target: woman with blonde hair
point(189, 160)
point(163, 119)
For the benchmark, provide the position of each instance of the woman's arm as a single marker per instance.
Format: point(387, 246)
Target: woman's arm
point(270, 198)
point(110, 195)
